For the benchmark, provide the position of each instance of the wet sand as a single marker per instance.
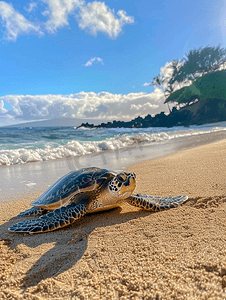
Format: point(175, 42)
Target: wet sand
point(128, 253)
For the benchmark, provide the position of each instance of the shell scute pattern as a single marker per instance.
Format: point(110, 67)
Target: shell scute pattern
point(50, 198)
point(78, 181)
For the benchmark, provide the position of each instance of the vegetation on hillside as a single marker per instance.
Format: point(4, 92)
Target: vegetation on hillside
point(210, 86)
point(184, 73)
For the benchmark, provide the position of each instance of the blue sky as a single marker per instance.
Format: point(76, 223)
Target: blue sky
point(75, 58)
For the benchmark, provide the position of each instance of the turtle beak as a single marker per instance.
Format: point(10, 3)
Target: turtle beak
point(129, 185)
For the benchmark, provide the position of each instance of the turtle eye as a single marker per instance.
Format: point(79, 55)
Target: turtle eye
point(121, 177)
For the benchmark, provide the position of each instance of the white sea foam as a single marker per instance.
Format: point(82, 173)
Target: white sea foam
point(31, 184)
point(78, 148)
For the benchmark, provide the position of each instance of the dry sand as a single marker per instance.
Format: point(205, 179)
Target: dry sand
point(128, 253)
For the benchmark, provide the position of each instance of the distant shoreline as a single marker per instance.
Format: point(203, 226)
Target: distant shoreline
point(198, 113)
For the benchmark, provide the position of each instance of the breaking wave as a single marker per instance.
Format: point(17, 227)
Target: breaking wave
point(52, 150)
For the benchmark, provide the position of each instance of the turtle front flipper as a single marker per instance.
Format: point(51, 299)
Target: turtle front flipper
point(61, 217)
point(152, 203)
point(34, 211)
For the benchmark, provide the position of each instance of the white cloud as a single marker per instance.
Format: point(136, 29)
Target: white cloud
point(58, 12)
point(166, 73)
point(92, 60)
point(103, 105)
point(145, 106)
point(31, 7)
point(93, 17)
point(15, 23)
point(97, 17)
point(2, 109)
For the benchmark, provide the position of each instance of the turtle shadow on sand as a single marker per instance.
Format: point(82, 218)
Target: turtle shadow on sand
point(68, 244)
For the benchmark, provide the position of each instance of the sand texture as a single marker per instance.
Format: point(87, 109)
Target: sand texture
point(128, 253)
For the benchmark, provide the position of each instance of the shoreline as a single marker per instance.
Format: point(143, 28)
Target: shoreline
point(128, 253)
point(32, 179)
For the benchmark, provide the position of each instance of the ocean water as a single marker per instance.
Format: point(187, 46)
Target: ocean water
point(21, 145)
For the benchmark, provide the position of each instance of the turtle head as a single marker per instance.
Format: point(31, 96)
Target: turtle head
point(123, 184)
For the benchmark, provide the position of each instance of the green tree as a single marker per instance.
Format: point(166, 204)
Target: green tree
point(199, 62)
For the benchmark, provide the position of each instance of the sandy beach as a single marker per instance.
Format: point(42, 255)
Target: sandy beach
point(128, 253)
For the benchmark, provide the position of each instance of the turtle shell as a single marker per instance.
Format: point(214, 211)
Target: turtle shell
point(81, 181)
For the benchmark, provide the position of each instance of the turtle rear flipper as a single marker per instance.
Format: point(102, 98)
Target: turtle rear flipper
point(34, 211)
point(57, 219)
point(152, 203)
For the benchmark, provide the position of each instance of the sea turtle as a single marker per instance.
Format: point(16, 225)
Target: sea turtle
point(84, 191)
